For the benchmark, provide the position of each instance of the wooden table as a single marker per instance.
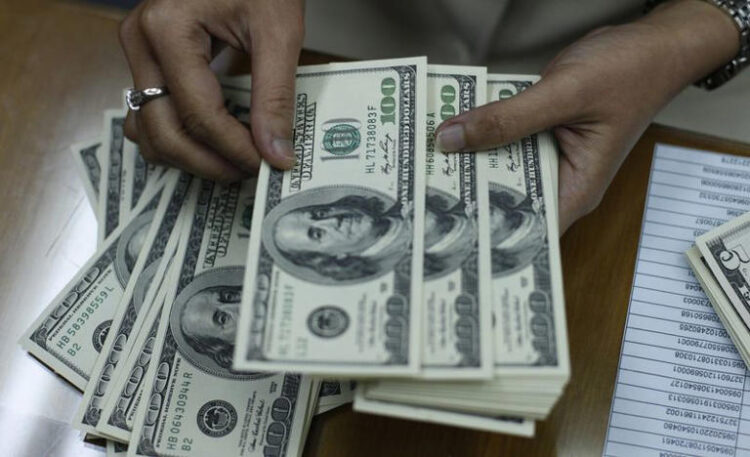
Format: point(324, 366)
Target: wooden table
point(61, 66)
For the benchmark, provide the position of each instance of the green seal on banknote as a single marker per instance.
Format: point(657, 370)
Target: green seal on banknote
point(342, 139)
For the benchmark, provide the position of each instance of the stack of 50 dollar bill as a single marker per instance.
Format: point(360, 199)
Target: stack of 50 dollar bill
point(720, 260)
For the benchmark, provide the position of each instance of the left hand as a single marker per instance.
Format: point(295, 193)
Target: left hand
point(172, 43)
point(600, 94)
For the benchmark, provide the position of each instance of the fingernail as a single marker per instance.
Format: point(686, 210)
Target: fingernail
point(284, 151)
point(451, 138)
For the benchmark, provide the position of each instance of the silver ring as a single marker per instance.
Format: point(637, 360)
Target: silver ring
point(137, 98)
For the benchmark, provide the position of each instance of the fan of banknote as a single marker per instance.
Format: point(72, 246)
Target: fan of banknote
point(219, 319)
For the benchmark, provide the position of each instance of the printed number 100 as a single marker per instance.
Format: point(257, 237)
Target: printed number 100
point(388, 103)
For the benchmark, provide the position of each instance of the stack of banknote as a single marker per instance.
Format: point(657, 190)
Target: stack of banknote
point(721, 262)
point(219, 319)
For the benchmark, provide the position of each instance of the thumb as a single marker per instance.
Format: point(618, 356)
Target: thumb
point(548, 103)
point(571, 195)
point(274, 64)
point(587, 165)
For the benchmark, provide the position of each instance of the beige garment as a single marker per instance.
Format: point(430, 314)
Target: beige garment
point(508, 36)
point(724, 112)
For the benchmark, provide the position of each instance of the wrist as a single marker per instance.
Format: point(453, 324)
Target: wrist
point(698, 37)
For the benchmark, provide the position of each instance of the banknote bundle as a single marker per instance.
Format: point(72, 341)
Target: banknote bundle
point(721, 263)
point(219, 319)
point(529, 366)
point(330, 285)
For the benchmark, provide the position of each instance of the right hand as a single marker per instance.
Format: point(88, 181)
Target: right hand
point(599, 95)
point(172, 42)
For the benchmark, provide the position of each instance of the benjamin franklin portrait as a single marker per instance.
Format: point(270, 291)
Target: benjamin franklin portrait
point(517, 230)
point(450, 234)
point(203, 321)
point(338, 234)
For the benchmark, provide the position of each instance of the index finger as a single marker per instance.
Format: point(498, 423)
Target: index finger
point(183, 50)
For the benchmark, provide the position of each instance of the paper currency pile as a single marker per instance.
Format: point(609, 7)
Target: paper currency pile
point(721, 263)
point(218, 319)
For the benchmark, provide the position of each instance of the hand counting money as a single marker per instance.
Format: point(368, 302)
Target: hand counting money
point(378, 270)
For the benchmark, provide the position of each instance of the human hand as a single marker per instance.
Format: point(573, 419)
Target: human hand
point(599, 94)
point(172, 42)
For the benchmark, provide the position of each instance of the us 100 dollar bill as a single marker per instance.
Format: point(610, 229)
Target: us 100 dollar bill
point(528, 303)
point(115, 449)
point(145, 279)
point(456, 331)
point(138, 175)
point(496, 424)
point(334, 274)
point(196, 403)
point(87, 157)
point(70, 333)
point(109, 212)
point(335, 392)
point(125, 175)
point(122, 400)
